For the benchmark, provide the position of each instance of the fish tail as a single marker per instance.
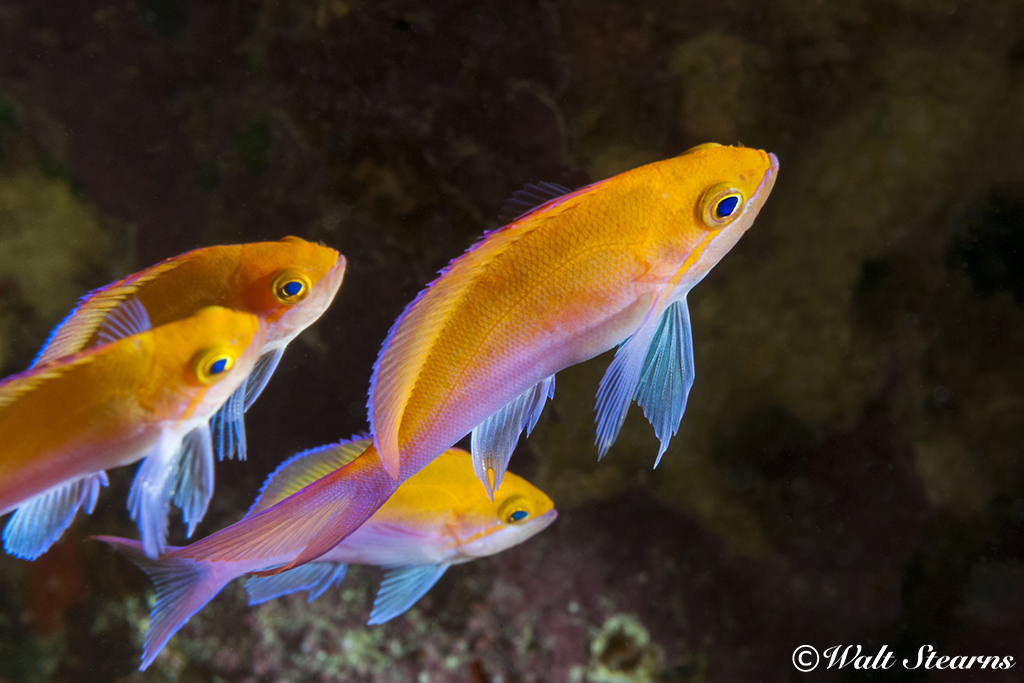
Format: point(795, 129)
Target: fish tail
point(183, 587)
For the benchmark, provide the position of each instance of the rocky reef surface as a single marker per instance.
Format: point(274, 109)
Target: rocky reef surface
point(849, 469)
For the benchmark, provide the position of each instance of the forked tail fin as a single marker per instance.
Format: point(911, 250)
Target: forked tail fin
point(183, 587)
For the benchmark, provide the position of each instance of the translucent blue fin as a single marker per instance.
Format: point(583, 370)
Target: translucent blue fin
point(39, 521)
point(654, 367)
point(667, 374)
point(619, 383)
point(315, 577)
point(183, 587)
point(227, 427)
point(401, 588)
point(495, 438)
point(149, 500)
point(260, 375)
point(529, 198)
point(193, 484)
point(228, 424)
point(128, 319)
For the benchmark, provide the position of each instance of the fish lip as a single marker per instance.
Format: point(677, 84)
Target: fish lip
point(768, 181)
point(546, 519)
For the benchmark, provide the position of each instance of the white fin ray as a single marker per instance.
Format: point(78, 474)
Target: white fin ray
point(494, 439)
point(315, 578)
point(260, 375)
point(668, 374)
point(401, 588)
point(655, 368)
point(40, 521)
point(126, 320)
point(193, 484)
point(227, 427)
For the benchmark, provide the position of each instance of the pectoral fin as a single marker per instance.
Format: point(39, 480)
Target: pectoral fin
point(227, 427)
point(193, 486)
point(495, 438)
point(667, 374)
point(315, 577)
point(39, 521)
point(260, 375)
point(401, 588)
point(176, 468)
point(654, 367)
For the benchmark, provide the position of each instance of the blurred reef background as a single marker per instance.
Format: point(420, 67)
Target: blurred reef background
point(849, 469)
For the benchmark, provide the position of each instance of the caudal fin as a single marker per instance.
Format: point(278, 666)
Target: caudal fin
point(183, 587)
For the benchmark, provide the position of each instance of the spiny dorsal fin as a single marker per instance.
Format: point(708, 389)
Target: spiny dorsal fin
point(302, 469)
point(16, 386)
point(532, 196)
point(126, 320)
point(416, 330)
point(85, 320)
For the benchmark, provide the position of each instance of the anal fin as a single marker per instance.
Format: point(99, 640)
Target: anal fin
point(315, 577)
point(39, 521)
point(494, 439)
point(401, 588)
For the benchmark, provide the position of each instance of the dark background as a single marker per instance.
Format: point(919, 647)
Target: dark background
point(848, 471)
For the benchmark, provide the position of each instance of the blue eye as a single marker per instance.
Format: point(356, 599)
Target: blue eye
point(726, 206)
point(293, 288)
point(518, 516)
point(218, 366)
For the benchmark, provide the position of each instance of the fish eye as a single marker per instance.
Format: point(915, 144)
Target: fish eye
point(211, 364)
point(515, 509)
point(726, 205)
point(291, 286)
point(721, 204)
point(517, 516)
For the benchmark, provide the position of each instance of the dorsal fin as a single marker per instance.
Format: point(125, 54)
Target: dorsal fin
point(302, 469)
point(84, 321)
point(126, 320)
point(16, 386)
point(415, 331)
point(532, 196)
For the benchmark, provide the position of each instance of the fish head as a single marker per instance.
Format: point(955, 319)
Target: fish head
point(289, 284)
point(199, 361)
point(520, 511)
point(712, 193)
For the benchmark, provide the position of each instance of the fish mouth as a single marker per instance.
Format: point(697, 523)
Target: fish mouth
point(545, 520)
point(768, 181)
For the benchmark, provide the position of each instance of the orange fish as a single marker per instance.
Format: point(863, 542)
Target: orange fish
point(148, 396)
point(438, 518)
point(288, 284)
point(585, 271)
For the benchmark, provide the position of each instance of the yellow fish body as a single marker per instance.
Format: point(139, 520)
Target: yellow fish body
point(437, 518)
point(148, 395)
point(606, 265)
point(288, 284)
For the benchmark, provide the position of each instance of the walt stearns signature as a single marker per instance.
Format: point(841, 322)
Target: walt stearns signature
point(806, 658)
